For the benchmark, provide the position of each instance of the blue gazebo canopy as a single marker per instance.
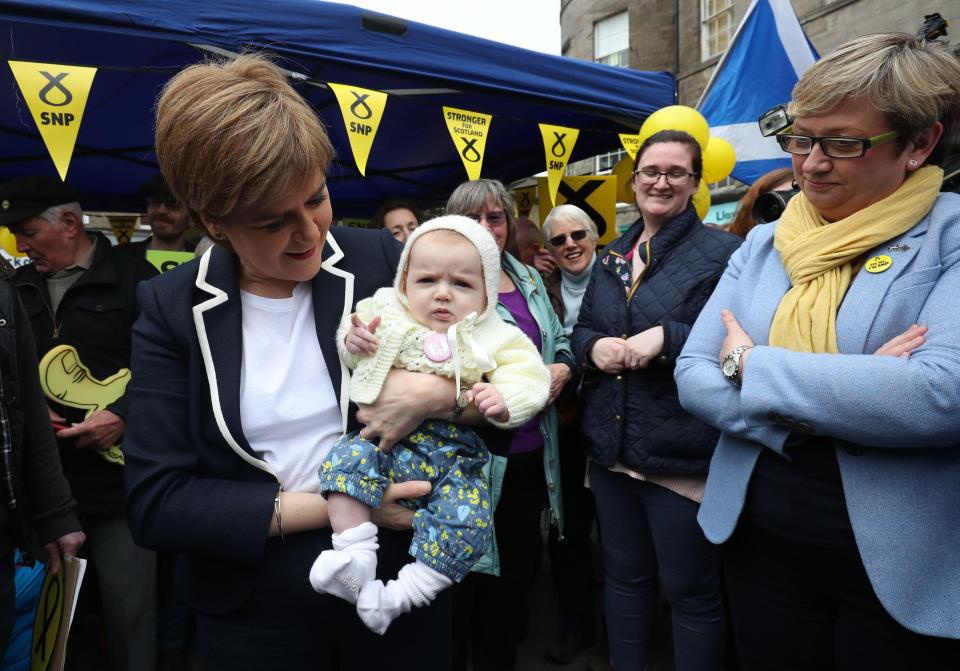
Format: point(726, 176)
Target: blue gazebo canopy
point(138, 45)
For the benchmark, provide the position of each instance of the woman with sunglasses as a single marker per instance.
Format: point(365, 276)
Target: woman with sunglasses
point(648, 457)
point(834, 487)
point(570, 240)
point(490, 611)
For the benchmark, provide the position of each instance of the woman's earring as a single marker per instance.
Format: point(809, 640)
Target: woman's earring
point(913, 162)
point(218, 236)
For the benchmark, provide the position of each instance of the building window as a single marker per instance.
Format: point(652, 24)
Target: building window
point(716, 27)
point(611, 41)
point(608, 160)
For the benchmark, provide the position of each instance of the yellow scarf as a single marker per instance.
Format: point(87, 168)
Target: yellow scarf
point(818, 257)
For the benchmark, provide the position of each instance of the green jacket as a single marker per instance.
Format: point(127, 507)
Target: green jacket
point(555, 349)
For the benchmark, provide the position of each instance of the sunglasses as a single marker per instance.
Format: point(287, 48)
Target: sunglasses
point(561, 240)
point(494, 218)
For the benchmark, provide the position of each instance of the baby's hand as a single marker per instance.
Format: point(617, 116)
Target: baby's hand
point(360, 338)
point(489, 402)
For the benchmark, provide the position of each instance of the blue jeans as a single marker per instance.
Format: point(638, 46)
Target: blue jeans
point(647, 532)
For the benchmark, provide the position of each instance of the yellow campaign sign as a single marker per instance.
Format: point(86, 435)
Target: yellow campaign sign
point(123, 228)
point(164, 261)
point(362, 111)
point(468, 130)
point(355, 223)
point(558, 144)
point(631, 143)
point(525, 198)
point(56, 96)
point(48, 621)
point(597, 196)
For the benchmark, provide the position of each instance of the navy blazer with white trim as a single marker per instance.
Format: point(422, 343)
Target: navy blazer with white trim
point(194, 485)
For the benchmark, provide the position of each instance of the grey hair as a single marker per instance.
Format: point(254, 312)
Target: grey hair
point(573, 213)
point(471, 197)
point(51, 215)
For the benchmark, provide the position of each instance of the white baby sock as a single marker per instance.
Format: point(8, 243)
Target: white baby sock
point(416, 585)
point(351, 563)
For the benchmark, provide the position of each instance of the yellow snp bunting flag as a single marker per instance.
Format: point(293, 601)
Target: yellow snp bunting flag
point(469, 131)
point(525, 198)
point(597, 196)
point(362, 111)
point(123, 228)
point(56, 96)
point(631, 143)
point(558, 144)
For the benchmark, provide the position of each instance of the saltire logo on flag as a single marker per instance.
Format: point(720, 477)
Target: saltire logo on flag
point(765, 59)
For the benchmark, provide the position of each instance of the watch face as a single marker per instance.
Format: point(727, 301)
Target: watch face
point(462, 399)
point(729, 366)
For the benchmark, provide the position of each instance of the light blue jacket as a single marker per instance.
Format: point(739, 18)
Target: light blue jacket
point(896, 422)
point(555, 348)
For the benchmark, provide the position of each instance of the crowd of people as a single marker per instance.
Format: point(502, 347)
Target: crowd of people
point(338, 446)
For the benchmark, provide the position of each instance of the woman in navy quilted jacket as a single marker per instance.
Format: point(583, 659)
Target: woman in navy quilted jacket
point(648, 457)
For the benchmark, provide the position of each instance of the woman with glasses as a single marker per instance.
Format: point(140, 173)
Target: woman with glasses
point(834, 487)
point(648, 457)
point(490, 611)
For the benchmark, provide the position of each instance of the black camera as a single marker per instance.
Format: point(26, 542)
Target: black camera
point(769, 206)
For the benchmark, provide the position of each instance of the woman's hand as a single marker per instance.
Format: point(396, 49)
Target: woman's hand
point(736, 337)
point(559, 376)
point(608, 354)
point(360, 338)
point(643, 347)
point(391, 514)
point(406, 400)
point(904, 344)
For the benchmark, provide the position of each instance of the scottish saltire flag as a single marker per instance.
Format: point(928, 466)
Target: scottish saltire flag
point(764, 60)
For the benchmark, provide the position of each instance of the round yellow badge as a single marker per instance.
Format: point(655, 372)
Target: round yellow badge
point(878, 264)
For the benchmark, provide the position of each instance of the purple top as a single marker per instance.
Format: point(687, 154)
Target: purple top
point(527, 437)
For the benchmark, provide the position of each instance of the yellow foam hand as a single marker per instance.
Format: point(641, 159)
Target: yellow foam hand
point(66, 380)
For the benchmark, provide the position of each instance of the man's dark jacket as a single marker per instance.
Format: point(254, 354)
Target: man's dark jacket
point(95, 316)
point(635, 417)
point(44, 509)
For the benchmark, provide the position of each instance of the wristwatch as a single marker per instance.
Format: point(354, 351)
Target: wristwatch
point(463, 400)
point(730, 366)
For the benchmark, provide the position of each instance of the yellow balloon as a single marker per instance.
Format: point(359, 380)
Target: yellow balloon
point(623, 171)
point(701, 199)
point(9, 242)
point(718, 160)
point(677, 117)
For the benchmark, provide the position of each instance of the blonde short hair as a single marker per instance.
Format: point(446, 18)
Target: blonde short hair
point(914, 82)
point(234, 133)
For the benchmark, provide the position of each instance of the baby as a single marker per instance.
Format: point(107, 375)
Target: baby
point(439, 317)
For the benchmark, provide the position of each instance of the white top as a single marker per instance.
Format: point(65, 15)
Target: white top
point(288, 409)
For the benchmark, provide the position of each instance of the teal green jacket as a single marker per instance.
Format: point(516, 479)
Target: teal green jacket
point(555, 349)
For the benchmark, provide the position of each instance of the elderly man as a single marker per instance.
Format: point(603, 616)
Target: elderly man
point(79, 291)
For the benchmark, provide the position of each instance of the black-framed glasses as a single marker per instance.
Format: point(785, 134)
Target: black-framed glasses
point(834, 146)
point(652, 176)
point(561, 240)
point(494, 218)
